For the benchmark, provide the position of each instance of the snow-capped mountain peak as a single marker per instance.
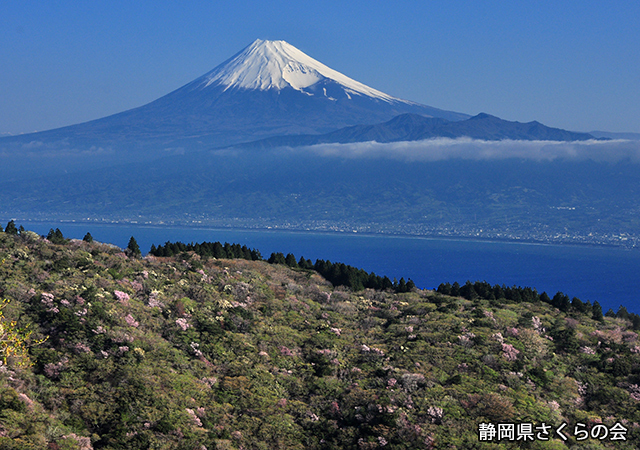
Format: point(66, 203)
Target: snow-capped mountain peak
point(265, 65)
point(268, 89)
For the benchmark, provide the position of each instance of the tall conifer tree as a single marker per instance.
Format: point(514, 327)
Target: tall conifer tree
point(133, 248)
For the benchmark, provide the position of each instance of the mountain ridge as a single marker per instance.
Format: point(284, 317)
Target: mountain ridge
point(245, 98)
point(414, 127)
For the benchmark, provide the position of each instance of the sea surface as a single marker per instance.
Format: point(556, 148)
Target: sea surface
point(609, 275)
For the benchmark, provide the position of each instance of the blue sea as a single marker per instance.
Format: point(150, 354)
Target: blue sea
point(606, 274)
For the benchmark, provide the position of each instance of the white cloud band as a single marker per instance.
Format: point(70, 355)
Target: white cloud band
point(470, 149)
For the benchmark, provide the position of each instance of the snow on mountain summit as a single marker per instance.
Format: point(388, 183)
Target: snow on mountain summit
point(265, 65)
point(268, 89)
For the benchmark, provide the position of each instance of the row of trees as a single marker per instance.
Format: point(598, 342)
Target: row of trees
point(517, 294)
point(339, 274)
point(56, 237)
point(623, 313)
point(207, 250)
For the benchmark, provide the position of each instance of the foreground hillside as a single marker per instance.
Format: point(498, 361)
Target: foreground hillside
point(185, 352)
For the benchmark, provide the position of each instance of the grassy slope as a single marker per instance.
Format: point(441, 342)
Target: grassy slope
point(231, 354)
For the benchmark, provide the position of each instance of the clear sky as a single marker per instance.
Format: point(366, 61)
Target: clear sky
point(567, 64)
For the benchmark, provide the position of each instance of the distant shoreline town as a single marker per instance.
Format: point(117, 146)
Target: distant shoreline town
point(446, 231)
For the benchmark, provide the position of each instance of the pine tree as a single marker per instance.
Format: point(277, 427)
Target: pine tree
point(622, 313)
point(597, 312)
point(11, 228)
point(255, 255)
point(133, 250)
point(444, 288)
point(302, 263)
point(276, 258)
point(218, 250)
point(544, 297)
point(55, 236)
point(561, 301)
point(290, 260)
point(88, 238)
point(498, 292)
point(577, 304)
point(467, 291)
point(635, 320)
point(402, 286)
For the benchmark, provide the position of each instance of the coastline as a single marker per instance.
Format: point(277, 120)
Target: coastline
point(336, 229)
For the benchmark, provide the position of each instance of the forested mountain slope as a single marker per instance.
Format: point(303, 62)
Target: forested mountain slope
point(190, 352)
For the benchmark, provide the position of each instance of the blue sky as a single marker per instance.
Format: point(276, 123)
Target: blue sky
point(568, 64)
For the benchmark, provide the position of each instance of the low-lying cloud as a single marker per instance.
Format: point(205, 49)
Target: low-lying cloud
point(470, 149)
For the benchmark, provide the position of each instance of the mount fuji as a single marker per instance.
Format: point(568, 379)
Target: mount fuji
point(268, 89)
point(215, 152)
